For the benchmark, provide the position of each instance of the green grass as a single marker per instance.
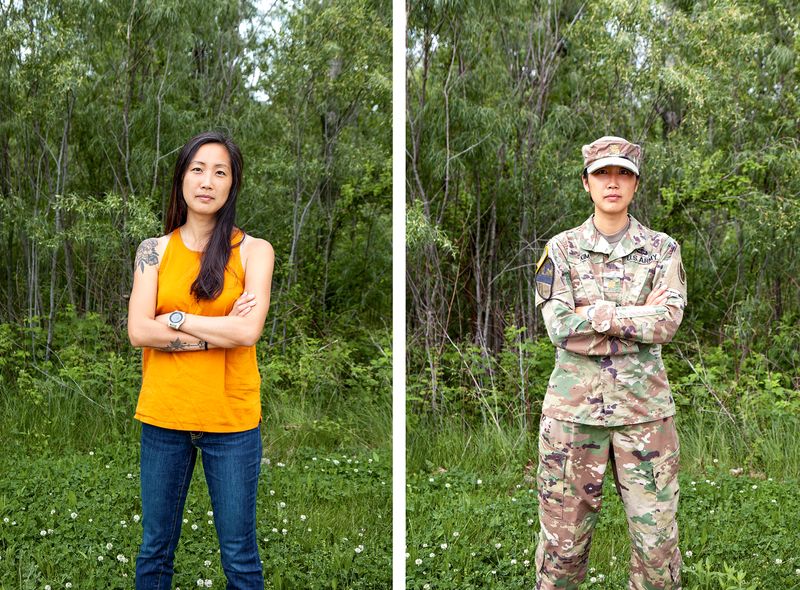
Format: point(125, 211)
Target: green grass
point(324, 505)
point(473, 489)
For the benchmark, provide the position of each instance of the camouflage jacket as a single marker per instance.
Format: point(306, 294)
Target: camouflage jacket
point(609, 370)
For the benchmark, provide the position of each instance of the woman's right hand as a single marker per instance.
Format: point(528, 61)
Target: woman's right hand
point(243, 305)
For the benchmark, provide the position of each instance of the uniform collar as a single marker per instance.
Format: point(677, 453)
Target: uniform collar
point(592, 240)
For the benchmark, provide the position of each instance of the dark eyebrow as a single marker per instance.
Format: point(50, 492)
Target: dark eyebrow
point(219, 165)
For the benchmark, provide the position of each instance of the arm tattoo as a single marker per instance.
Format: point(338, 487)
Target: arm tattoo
point(146, 254)
point(178, 346)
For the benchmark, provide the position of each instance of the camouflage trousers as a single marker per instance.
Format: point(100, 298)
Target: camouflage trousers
point(572, 461)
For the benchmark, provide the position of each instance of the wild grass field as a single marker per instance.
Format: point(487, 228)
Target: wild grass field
point(472, 510)
point(70, 514)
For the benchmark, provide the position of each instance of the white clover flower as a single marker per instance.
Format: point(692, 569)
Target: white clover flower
point(426, 587)
point(199, 582)
point(274, 530)
point(210, 522)
point(272, 492)
point(689, 553)
point(418, 561)
point(513, 562)
point(91, 453)
point(754, 486)
point(194, 527)
point(524, 551)
point(130, 476)
point(778, 561)
point(593, 580)
point(185, 521)
point(6, 519)
point(136, 518)
point(210, 513)
point(359, 549)
point(47, 587)
point(526, 563)
point(447, 485)
point(430, 479)
point(424, 545)
point(207, 562)
point(473, 554)
point(281, 504)
point(479, 482)
point(797, 571)
point(68, 585)
point(73, 515)
point(43, 533)
point(716, 460)
point(303, 517)
point(498, 545)
point(208, 583)
point(443, 545)
point(279, 464)
point(109, 546)
point(456, 533)
point(53, 511)
point(121, 558)
point(99, 558)
point(284, 531)
point(313, 458)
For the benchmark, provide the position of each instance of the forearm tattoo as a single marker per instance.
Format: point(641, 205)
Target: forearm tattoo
point(146, 254)
point(178, 346)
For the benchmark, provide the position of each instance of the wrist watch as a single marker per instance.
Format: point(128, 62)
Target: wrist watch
point(175, 319)
point(589, 313)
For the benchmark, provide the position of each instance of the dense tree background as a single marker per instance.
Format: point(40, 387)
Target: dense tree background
point(501, 96)
point(95, 100)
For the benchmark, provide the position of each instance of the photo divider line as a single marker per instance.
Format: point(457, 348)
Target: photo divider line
point(398, 294)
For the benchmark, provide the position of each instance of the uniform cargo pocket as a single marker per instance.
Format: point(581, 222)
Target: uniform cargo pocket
point(551, 479)
point(665, 479)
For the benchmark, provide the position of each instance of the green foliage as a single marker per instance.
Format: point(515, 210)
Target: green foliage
point(502, 96)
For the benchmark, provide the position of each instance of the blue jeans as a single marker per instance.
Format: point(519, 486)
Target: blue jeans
point(232, 463)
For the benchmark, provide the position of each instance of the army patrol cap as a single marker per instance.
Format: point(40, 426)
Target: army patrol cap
point(611, 151)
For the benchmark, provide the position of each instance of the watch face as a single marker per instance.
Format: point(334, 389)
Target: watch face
point(175, 317)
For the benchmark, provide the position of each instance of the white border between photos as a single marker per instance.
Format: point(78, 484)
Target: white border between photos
point(398, 294)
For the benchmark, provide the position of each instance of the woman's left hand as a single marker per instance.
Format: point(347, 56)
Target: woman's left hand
point(243, 305)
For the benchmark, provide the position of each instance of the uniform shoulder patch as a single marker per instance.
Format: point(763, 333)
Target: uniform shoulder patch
point(545, 275)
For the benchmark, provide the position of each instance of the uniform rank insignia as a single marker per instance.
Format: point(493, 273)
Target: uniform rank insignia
point(545, 274)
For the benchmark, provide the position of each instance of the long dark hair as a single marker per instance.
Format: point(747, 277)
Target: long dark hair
point(209, 282)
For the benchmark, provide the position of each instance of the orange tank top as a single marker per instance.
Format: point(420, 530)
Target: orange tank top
point(215, 390)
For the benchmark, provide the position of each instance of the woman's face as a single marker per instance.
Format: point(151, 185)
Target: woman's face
point(208, 178)
point(611, 188)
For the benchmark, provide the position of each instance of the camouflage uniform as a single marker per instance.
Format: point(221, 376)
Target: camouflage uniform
point(608, 399)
